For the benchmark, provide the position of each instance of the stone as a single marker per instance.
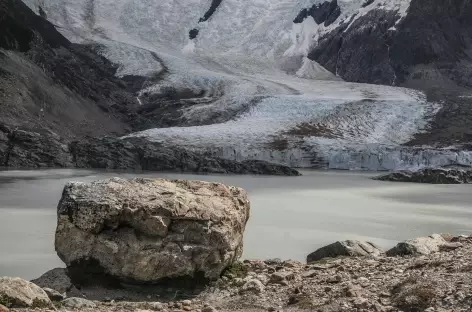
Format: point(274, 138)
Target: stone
point(23, 294)
point(335, 279)
point(309, 274)
point(54, 295)
point(57, 279)
point(186, 302)
point(353, 291)
point(292, 264)
point(192, 228)
point(361, 303)
point(349, 248)
point(275, 261)
point(281, 276)
point(78, 303)
point(3, 308)
point(209, 309)
point(418, 246)
point(450, 246)
point(254, 286)
point(264, 278)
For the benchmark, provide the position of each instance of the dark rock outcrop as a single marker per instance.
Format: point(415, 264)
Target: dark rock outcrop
point(347, 248)
point(44, 149)
point(326, 12)
point(214, 5)
point(32, 149)
point(193, 33)
point(436, 34)
point(360, 53)
point(137, 153)
point(431, 176)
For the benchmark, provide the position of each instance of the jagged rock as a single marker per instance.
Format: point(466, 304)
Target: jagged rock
point(348, 248)
point(53, 295)
point(144, 230)
point(418, 246)
point(430, 175)
point(78, 303)
point(57, 279)
point(20, 293)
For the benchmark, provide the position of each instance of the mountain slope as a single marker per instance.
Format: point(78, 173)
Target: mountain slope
point(263, 80)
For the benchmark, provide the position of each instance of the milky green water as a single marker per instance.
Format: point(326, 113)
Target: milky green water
point(290, 217)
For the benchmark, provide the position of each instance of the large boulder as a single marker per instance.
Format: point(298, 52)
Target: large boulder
point(431, 176)
point(418, 246)
point(17, 292)
point(349, 248)
point(145, 230)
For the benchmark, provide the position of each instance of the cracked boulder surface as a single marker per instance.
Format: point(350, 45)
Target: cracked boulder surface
point(146, 231)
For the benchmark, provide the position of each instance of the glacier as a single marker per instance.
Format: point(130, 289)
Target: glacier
point(251, 59)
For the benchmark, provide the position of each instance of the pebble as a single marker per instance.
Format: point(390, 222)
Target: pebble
point(3, 308)
point(186, 302)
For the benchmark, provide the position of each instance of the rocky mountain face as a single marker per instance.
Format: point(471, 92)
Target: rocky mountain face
point(58, 97)
point(57, 92)
point(428, 49)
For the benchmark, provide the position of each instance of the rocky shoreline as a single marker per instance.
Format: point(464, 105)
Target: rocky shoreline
point(436, 279)
point(173, 245)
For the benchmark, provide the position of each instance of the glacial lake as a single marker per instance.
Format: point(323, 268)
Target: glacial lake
point(290, 216)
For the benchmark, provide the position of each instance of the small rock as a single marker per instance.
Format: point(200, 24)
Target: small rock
point(187, 308)
point(309, 274)
point(281, 276)
point(254, 286)
point(186, 303)
point(275, 261)
point(78, 303)
point(335, 279)
point(156, 305)
point(22, 293)
point(353, 291)
point(418, 246)
point(57, 279)
point(349, 248)
point(54, 295)
point(264, 278)
point(363, 281)
point(319, 267)
point(361, 303)
point(328, 289)
point(209, 309)
point(292, 264)
point(3, 308)
point(450, 246)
